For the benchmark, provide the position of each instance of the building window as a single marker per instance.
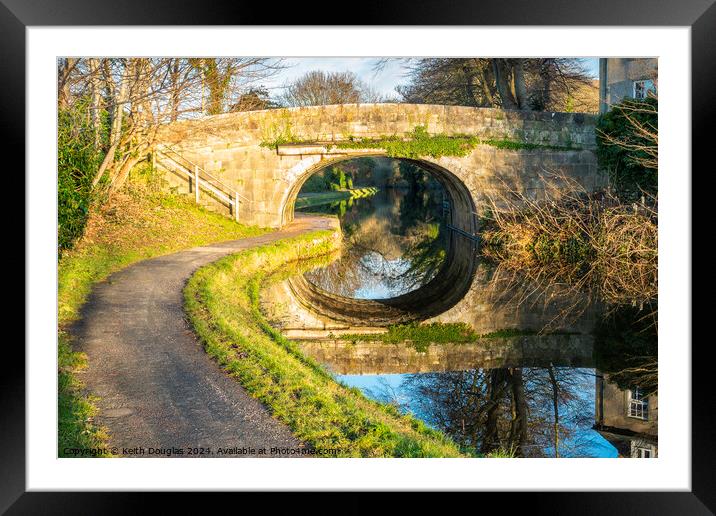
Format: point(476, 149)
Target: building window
point(642, 450)
point(638, 404)
point(642, 89)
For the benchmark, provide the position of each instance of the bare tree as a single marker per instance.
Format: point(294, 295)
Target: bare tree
point(509, 83)
point(140, 94)
point(65, 67)
point(319, 88)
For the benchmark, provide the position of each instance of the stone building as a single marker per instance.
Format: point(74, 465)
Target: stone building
point(628, 419)
point(620, 78)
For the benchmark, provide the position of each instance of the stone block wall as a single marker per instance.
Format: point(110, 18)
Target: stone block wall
point(230, 147)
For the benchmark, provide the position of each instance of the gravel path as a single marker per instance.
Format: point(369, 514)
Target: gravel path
point(157, 387)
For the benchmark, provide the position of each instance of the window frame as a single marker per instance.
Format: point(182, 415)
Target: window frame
point(647, 85)
point(636, 399)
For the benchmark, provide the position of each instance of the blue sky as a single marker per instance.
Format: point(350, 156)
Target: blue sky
point(384, 81)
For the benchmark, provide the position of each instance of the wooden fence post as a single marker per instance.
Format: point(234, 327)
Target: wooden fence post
point(236, 206)
point(196, 184)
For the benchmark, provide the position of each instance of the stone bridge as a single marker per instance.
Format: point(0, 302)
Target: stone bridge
point(244, 150)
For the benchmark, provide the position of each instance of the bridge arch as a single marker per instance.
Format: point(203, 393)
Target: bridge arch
point(441, 293)
point(462, 213)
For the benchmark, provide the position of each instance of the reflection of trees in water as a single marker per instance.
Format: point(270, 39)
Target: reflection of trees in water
point(626, 348)
point(528, 290)
point(533, 412)
point(393, 241)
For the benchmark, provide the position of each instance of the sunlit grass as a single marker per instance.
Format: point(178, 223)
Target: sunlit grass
point(133, 226)
point(222, 301)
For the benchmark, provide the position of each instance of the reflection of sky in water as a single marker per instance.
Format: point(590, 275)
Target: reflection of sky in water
point(390, 387)
point(384, 277)
point(392, 244)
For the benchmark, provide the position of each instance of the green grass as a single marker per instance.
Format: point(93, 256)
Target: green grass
point(318, 199)
point(507, 144)
point(134, 226)
point(421, 336)
point(420, 143)
point(222, 300)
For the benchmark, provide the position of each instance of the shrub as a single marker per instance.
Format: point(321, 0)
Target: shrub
point(77, 162)
point(627, 146)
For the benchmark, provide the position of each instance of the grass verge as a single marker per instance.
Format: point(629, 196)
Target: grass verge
point(136, 224)
point(318, 199)
point(222, 301)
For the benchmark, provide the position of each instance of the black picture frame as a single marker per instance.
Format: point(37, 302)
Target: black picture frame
point(17, 15)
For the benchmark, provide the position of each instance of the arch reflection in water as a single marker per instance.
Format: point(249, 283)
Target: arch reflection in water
point(394, 242)
point(399, 262)
point(392, 214)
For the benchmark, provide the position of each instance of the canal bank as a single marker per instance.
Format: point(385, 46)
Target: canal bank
point(222, 301)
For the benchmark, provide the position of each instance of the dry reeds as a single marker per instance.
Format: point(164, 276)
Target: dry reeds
point(573, 247)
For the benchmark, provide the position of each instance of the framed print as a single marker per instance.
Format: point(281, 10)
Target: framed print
point(422, 251)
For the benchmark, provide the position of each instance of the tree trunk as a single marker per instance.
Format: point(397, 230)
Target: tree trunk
point(486, 84)
point(518, 76)
point(496, 388)
point(502, 82)
point(518, 430)
point(96, 99)
point(123, 173)
point(175, 90)
point(116, 128)
point(469, 89)
point(555, 407)
point(546, 83)
point(63, 81)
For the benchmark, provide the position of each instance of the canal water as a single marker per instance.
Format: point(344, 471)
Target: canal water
point(394, 242)
point(526, 393)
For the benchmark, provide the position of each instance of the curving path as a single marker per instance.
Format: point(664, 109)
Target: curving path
point(157, 386)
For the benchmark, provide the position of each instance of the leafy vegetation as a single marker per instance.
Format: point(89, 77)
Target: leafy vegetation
point(627, 147)
point(284, 139)
point(419, 143)
point(515, 145)
point(317, 199)
point(222, 303)
point(77, 161)
point(135, 224)
point(422, 335)
point(332, 178)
